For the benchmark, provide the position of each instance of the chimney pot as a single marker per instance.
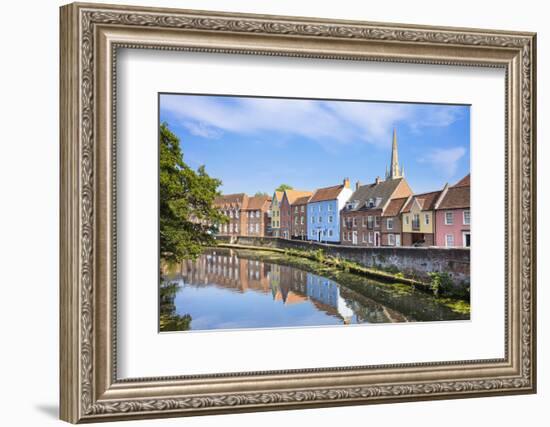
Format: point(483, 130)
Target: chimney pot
point(346, 182)
point(377, 181)
point(357, 185)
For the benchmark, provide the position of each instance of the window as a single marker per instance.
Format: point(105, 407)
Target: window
point(466, 217)
point(364, 221)
point(416, 221)
point(230, 214)
point(330, 218)
point(391, 239)
point(236, 214)
point(324, 232)
point(312, 220)
point(320, 219)
point(329, 207)
point(257, 214)
point(448, 218)
point(427, 219)
point(257, 228)
point(407, 219)
point(302, 209)
point(295, 209)
point(370, 236)
point(252, 228)
point(330, 233)
point(364, 237)
point(449, 240)
point(354, 221)
point(389, 223)
point(369, 221)
point(296, 220)
point(376, 221)
point(302, 220)
point(231, 228)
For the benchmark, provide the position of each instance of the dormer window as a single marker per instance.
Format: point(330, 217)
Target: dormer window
point(378, 201)
point(371, 203)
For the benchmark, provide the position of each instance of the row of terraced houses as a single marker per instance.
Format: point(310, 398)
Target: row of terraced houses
point(385, 212)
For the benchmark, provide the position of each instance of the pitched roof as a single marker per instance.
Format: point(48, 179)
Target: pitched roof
point(279, 195)
point(425, 200)
point(302, 200)
point(228, 199)
point(395, 206)
point(463, 182)
point(257, 202)
point(292, 195)
point(327, 193)
point(377, 190)
point(456, 198)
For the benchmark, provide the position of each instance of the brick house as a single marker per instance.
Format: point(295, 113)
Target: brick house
point(391, 222)
point(231, 205)
point(289, 198)
point(361, 218)
point(256, 212)
point(453, 215)
point(298, 218)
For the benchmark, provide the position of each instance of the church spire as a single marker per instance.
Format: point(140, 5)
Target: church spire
point(394, 165)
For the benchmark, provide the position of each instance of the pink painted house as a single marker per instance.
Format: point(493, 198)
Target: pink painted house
point(452, 217)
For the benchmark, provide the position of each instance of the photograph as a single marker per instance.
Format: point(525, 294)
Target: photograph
point(291, 212)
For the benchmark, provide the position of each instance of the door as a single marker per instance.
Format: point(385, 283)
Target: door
point(376, 238)
point(354, 237)
point(398, 240)
point(466, 239)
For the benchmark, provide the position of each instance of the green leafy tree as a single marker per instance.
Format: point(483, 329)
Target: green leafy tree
point(188, 217)
point(261, 193)
point(284, 187)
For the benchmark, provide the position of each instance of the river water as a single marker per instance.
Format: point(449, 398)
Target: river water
point(227, 289)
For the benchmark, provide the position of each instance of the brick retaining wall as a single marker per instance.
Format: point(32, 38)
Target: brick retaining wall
point(412, 262)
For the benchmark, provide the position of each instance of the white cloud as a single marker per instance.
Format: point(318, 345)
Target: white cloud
point(202, 130)
point(445, 160)
point(322, 121)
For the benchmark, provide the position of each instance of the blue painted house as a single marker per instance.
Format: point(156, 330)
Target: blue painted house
point(323, 212)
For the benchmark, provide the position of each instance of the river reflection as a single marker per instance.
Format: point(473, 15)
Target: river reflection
point(226, 290)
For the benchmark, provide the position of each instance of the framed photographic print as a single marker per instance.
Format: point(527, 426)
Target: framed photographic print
point(265, 212)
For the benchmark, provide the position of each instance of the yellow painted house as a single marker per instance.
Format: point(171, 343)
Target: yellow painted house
point(418, 219)
point(276, 213)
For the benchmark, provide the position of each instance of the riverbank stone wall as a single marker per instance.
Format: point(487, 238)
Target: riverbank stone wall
point(413, 262)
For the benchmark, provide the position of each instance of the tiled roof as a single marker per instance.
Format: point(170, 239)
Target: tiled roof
point(292, 195)
point(381, 190)
point(302, 200)
point(279, 195)
point(395, 206)
point(456, 198)
point(327, 193)
point(425, 200)
point(257, 202)
point(231, 199)
point(463, 182)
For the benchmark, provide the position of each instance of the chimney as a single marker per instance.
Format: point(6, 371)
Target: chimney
point(357, 185)
point(346, 182)
point(377, 180)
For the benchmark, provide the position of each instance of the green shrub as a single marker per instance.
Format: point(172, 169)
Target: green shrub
point(441, 283)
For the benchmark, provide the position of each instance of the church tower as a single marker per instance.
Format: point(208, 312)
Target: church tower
point(394, 171)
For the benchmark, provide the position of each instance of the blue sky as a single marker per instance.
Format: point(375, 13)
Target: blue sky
point(255, 144)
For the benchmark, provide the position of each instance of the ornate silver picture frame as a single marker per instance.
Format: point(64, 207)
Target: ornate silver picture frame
point(90, 388)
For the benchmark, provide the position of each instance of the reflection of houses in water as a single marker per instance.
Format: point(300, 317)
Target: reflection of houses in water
point(287, 285)
point(228, 271)
point(327, 292)
point(291, 287)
